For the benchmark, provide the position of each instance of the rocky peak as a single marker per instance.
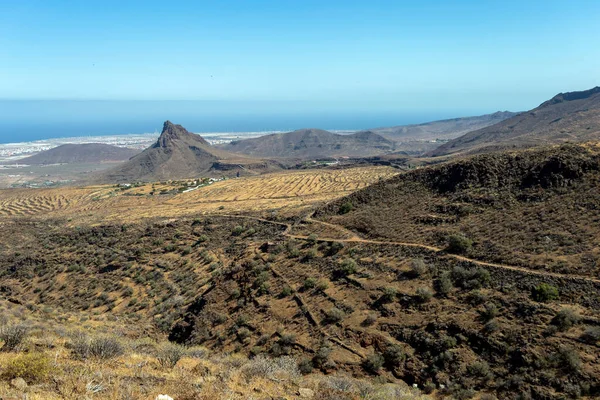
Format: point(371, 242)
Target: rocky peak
point(172, 132)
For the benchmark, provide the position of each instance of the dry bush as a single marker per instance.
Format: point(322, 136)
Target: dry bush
point(102, 347)
point(271, 368)
point(169, 354)
point(12, 336)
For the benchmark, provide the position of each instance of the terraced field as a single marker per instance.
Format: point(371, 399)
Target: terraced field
point(282, 191)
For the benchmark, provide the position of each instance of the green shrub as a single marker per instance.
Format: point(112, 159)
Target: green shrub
point(544, 293)
point(305, 366)
point(565, 319)
point(389, 294)
point(322, 285)
point(32, 367)
point(335, 248)
point(312, 239)
point(333, 315)
point(424, 295)
point(243, 333)
point(309, 283)
point(459, 244)
point(393, 355)
point(489, 312)
point(373, 363)
point(478, 368)
point(348, 267)
point(567, 358)
point(591, 335)
point(444, 284)
point(286, 291)
point(418, 267)
point(237, 231)
point(473, 278)
point(345, 208)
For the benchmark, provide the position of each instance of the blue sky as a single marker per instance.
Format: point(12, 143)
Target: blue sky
point(452, 56)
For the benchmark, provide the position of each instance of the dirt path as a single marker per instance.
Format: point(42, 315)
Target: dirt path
point(355, 239)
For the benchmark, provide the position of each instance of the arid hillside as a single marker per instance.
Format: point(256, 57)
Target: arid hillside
point(443, 129)
point(81, 153)
point(309, 144)
point(537, 208)
point(471, 279)
point(567, 117)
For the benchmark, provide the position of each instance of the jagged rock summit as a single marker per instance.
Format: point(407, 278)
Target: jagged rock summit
point(180, 154)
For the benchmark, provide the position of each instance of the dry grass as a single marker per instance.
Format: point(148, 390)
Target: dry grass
point(282, 191)
point(139, 374)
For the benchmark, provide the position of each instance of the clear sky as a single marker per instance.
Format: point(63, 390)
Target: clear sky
point(461, 56)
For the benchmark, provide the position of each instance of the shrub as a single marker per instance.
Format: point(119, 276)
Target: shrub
point(243, 333)
point(333, 315)
point(565, 319)
point(424, 295)
point(591, 335)
point(568, 359)
point(169, 354)
point(305, 366)
point(473, 278)
point(322, 285)
point(478, 368)
point(335, 248)
point(286, 291)
point(459, 244)
point(544, 293)
point(444, 284)
point(12, 337)
point(237, 231)
point(370, 320)
point(103, 347)
point(389, 294)
point(394, 355)
point(271, 368)
point(348, 267)
point(312, 239)
point(309, 283)
point(373, 363)
point(418, 267)
point(345, 208)
point(491, 326)
point(322, 355)
point(489, 312)
point(32, 367)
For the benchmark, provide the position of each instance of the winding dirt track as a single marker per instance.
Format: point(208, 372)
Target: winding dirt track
point(356, 239)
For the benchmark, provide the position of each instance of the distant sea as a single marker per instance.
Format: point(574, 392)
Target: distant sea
point(24, 120)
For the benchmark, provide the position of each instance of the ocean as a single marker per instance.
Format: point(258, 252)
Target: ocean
point(27, 120)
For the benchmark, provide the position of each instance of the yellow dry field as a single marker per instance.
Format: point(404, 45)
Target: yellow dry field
point(285, 192)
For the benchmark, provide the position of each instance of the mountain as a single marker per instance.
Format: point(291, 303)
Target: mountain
point(573, 116)
point(313, 143)
point(443, 129)
point(181, 154)
point(80, 154)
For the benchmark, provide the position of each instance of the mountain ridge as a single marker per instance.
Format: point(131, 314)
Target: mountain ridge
point(72, 153)
point(313, 143)
point(571, 116)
